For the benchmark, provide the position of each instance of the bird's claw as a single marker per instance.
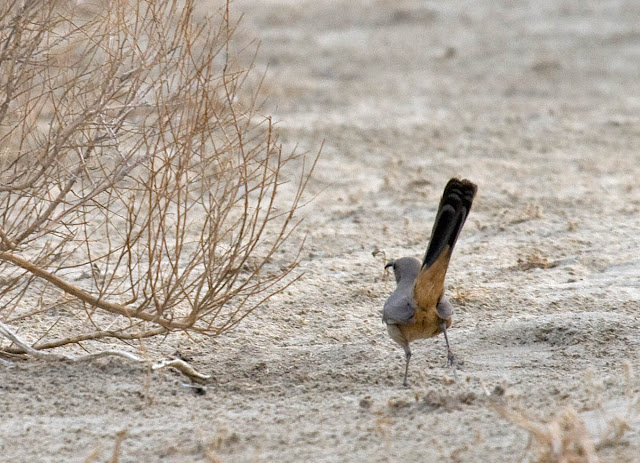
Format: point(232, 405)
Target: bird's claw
point(451, 362)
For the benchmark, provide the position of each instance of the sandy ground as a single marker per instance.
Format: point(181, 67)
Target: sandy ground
point(539, 104)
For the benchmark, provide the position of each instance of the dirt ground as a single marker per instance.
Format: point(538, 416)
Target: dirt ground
point(536, 102)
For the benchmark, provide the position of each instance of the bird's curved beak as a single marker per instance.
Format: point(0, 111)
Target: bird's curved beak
point(391, 263)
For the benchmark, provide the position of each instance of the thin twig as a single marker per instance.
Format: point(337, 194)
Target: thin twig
point(178, 364)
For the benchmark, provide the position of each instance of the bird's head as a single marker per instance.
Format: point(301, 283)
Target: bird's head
point(404, 268)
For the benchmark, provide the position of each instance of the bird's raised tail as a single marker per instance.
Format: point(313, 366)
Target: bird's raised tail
point(453, 210)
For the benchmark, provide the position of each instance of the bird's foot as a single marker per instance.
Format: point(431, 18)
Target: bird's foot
point(451, 362)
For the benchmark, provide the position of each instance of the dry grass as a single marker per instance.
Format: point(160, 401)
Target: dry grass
point(463, 296)
point(562, 439)
point(140, 188)
point(534, 259)
point(565, 437)
point(517, 216)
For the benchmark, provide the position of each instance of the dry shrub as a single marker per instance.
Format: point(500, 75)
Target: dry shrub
point(563, 439)
point(513, 216)
point(534, 259)
point(464, 296)
point(572, 437)
point(141, 191)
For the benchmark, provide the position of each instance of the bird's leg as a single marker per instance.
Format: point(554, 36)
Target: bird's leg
point(451, 360)
point(407, 353)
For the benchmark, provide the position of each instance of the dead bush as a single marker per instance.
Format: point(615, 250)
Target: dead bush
point(141, 190)
point(563, 439)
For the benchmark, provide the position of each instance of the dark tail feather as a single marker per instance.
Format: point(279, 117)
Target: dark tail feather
point(454, 208)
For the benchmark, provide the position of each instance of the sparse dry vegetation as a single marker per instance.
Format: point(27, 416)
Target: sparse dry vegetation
point(565, 437)
point(545, 294)
point(534, 259)
point(140, 187)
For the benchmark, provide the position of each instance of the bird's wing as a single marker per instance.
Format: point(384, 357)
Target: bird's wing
point(399, 308)
point(444, 308)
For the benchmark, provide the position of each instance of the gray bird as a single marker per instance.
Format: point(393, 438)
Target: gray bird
point(417, 308)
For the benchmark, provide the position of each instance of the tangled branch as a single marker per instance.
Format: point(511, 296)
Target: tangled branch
point(141, 191)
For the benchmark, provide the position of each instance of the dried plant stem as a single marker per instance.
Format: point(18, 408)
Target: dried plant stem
point(136, 335)
point(85, 297)
point(178, 364)
point(563, 439)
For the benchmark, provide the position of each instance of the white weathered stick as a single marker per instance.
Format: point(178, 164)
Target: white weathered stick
point(178, 364)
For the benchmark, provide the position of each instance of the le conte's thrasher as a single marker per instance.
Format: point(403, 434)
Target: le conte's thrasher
point(417, 308)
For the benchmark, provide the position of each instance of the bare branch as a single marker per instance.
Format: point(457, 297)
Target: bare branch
point(178, 364)
point(141, 189)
